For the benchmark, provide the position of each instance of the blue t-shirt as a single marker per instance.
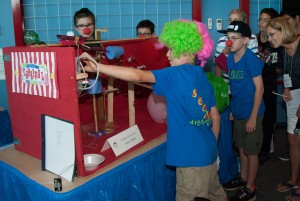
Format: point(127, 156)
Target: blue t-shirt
point(242, 87)
point(189, 97)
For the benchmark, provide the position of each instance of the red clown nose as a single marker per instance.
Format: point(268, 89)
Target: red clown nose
point(86, 31)
point(229, 43)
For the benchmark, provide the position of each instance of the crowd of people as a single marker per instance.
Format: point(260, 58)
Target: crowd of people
point(277, 46)
point(252, 66)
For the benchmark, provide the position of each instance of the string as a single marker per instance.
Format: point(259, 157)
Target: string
point(93, 144)
point(285, 61)
point(64, 169)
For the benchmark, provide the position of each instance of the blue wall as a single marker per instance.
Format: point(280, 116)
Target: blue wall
point(6, 39)
point(52, 17)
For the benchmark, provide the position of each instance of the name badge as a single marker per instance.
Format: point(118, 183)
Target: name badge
point(287, 81)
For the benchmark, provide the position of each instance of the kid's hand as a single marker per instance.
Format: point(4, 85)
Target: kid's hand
point(89, 66)
point(231, 116)
point(226, 50)
point(251, 125)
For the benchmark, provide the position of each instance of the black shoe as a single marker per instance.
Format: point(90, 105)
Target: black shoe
point(263, 157)
point(285, 156)
point(244, 194)
point(236, 183)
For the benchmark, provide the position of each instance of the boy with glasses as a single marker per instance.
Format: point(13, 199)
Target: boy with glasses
point(84, 21)
point(247, 107)
point(228, 170)
point(234, 15)
point(145, 28)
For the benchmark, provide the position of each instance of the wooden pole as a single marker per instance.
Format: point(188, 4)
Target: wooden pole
point(131, 107)
point(95, 112)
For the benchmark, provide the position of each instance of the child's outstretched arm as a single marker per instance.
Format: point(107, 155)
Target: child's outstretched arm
point(258, 96)
point(121, 72)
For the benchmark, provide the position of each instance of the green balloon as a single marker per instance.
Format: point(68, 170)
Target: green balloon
point(31, 38)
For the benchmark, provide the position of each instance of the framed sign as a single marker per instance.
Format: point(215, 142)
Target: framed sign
point(58, 147)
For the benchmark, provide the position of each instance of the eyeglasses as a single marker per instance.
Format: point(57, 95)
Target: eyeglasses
point(82, 26)
point(234, 38)
point(264, 20)
point(146, 34)
point(270, 35)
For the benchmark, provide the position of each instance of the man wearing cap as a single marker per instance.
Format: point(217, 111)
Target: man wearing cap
point(247, 107)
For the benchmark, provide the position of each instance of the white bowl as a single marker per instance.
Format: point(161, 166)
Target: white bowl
point(92, 161)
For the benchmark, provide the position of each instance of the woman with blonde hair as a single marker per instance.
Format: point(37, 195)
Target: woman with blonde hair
point(281, 34)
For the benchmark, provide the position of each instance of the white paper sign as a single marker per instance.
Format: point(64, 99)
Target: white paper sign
point(59, 147)
point(124, 140)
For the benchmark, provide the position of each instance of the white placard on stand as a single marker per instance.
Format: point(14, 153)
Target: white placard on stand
point(58, 147)
point(124, 140)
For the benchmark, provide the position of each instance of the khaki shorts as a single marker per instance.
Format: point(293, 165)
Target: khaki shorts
point(199, 182)
point(250, 142)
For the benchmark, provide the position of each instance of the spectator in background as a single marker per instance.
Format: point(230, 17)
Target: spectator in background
point(269, 56)
point(281, 34)
point(293, 17)
point(84, 21)
point(228, 170)
point(234, 15)
point(247, 107)
point(145, 28)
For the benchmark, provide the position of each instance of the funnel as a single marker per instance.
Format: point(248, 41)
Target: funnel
point(113, 52)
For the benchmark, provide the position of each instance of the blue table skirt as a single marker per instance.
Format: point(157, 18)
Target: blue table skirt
point(145, 177)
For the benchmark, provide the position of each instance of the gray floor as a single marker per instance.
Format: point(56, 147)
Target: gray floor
point(273, 171)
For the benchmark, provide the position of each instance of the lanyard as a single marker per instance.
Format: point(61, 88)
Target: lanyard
point(285, 60)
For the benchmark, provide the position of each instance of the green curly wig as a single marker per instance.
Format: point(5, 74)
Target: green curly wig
point(182, 37)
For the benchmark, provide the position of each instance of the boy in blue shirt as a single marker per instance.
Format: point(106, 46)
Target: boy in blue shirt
point(246, 85)
point(193, 119)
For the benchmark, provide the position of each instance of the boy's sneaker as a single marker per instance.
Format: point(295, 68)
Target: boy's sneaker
point(236, 183)
point(244, 194)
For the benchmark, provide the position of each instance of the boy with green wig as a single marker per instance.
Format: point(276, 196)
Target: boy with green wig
point(193, 120)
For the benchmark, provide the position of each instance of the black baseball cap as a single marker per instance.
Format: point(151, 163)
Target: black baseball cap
point(238, 27)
